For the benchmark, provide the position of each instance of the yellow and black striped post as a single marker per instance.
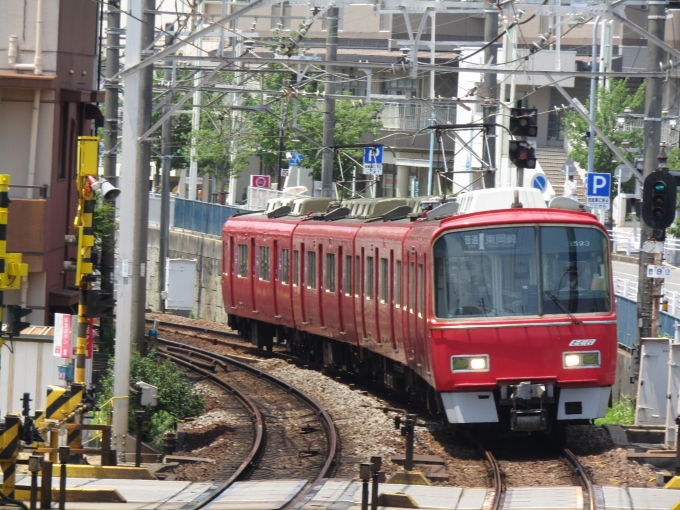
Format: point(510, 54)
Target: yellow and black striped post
point(4, 214)
point(61, 403)
point(88, 153)
point(9, 449)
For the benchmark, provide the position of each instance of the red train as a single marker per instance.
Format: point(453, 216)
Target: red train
point(495, 308)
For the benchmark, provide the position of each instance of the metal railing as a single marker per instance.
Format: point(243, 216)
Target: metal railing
point(402, 116)
point(258, 197)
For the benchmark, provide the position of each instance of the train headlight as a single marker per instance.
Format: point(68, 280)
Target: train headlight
point(470, 363)
point(588, 359)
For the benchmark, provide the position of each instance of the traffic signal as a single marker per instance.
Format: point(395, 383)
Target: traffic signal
point(99, 304)
point(659, 195)
point(12, 319)
point(524, 122)
point(522, 154)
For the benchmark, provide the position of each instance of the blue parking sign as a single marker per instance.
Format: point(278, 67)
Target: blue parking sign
point(598, 185)
point(373, 155)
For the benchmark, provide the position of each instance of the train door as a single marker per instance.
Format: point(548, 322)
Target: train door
point(361, 289)
point(349, 333)
point(283, 290)
point(331, 305)
point(421, 322)
point(297, 283)
point(410, 312)
point(321, 287)
point(275, 277)
point(228, 273)
point(242, 287)
point(254, 264)
point(390, 288)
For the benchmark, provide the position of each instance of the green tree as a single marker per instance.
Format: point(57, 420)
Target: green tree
point(611, 102)
point(302, 108)
point(176, 398)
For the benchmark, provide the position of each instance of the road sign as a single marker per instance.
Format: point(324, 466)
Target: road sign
point(259, 181)
point(568, 168)
point(539, 182)
point(598, 190)
point(373, 158)
point(284, 172)
point(658, 272)
point(625, 173)
point(296, 159)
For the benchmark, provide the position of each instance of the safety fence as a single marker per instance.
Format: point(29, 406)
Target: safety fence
point(626, 312)
point(199, 217)
point(627, 242)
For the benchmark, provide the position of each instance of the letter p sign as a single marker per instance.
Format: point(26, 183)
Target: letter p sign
point(598, 185)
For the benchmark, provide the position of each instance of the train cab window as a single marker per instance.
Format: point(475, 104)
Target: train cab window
point(285, 266)
point(357, 272)
point(411, 286)
point(519, 271)
point(243, 260)
point(575, 270)
point(369, 278)
point(265, 268)
point(296, 268)
point(348, 275)
point(384, 264)
point(397, 284)
point(311, 270)
point(420, 290)
point(330, 272)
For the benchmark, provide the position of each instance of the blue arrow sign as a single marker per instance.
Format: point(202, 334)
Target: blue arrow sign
point(296, 159)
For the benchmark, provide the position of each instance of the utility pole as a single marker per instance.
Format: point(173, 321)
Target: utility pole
point(652, 140)
point(490, 83)
point(110, 153)
point(166, 151)
point(329, 110)
point(134, 221)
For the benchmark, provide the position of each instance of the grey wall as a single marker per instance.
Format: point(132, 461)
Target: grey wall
point(207, 251)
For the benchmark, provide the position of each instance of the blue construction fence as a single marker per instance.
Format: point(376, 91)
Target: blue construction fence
point(626, 322)
point(202, 217)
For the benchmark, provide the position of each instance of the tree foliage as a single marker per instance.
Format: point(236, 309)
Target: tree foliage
point(611, 102)
point(176, 398)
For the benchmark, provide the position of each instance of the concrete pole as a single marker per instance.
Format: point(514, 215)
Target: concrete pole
point(133, 188)
point(433, 121)
point(652, 139)
point(110, 157)
point(196, 111)
point(166, 150)
point(402, 181)
point(490, 83)
point(329, 110)
point(593, 98)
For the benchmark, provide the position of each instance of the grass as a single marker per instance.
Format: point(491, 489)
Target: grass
point(621, 413)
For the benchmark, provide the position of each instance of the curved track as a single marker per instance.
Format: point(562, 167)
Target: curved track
point(293, 422)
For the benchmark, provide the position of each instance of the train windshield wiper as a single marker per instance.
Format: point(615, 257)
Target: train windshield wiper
point(558, 303)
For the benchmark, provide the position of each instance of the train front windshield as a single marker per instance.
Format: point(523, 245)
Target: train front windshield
point(515, 271)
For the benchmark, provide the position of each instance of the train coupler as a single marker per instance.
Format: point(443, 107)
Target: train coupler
point(528, 420)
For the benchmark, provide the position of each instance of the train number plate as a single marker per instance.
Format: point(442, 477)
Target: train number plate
point(582, 343)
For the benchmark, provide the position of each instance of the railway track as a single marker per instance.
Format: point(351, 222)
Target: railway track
point(298, 438)
point(495, 501)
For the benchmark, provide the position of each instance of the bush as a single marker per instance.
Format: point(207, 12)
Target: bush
point(621, 413)
point(176, 398)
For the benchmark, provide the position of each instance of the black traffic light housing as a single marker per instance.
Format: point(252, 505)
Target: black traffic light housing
point(522, 154)
point(12, 319)
point(99, 304)
point(659, 197)
point(524, 122)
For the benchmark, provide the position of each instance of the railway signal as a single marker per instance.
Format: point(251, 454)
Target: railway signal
point(522, 154)
point(100, 304)
point(12, 319)
point(524, 122)
point(659, 196)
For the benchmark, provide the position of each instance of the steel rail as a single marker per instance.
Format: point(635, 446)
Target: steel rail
point(327, 420)
point(494, 471)
point(585, 479)
point(195, 328)
point(255, 450)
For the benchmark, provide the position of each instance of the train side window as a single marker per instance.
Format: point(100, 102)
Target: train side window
point(411, 286)
point(397, 283)
point(285, 266)
point(330, 272)
point(243, 260)
point(369, 277)
point(264, 264)
point(311, 270)
point(420, 290)
point(348, 275)
point(383, 280)
point(296, 268)
point(357, 272)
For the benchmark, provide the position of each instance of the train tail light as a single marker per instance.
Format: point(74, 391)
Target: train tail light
point(588, 359)
point(472, 363)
